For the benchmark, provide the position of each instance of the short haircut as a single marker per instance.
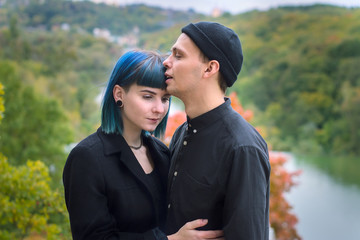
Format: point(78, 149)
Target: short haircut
point(143, 68)
point(222, 83)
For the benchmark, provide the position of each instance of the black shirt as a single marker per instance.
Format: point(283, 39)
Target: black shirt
point(220, 171)
point(158, 191)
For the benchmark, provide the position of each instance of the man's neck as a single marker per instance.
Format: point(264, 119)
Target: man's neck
point(196, 106)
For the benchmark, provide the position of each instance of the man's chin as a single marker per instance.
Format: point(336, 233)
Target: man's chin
point(170, 90)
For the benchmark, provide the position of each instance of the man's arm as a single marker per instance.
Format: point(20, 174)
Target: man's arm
point(246, 204)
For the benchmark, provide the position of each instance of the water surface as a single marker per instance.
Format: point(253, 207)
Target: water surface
point(327, 206)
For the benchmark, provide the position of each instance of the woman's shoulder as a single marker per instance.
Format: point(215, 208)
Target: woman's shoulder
point(89, 144)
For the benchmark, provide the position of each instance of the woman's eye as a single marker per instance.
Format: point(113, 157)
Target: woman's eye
point(165, 99)
point(147, 97)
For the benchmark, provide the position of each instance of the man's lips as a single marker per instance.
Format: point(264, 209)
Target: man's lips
point(168, 80)
point(168, 76)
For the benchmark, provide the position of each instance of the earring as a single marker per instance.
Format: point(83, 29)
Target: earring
point(119, 103)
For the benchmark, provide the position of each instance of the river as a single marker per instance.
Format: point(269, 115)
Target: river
point(327, 208)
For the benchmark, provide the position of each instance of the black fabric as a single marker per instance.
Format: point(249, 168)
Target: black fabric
point(108, 194)
point(220, 171)
point(157, 187)
point(219, 43)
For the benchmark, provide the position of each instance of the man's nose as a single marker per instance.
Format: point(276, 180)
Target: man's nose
point(166, 62)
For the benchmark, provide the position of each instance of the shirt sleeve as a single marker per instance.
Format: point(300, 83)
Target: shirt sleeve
point(86, 201)
point(247, 195)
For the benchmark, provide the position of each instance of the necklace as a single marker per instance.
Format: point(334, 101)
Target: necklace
point(137, 148)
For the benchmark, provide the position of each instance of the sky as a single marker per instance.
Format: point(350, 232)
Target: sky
point(232, 6)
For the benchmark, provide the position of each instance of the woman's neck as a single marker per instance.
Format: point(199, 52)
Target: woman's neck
point(132, 138)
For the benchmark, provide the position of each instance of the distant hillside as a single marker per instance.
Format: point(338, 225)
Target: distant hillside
point(301, 70)
point(88, 15)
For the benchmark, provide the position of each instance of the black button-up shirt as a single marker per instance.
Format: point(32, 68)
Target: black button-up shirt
point(220, 171)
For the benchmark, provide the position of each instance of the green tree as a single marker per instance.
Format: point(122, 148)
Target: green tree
point(2, 108)
point(34, 126)
point(28, 204)
point(12, 46)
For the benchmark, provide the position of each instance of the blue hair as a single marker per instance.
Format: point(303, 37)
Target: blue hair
point(143, 68)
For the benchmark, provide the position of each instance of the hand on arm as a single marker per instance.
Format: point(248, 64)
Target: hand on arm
point(189, 232)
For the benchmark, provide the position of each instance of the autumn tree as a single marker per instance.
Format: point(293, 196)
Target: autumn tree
point(282, 220)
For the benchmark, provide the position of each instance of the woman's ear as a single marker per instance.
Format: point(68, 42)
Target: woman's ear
point(212, 68)
point(118, 93)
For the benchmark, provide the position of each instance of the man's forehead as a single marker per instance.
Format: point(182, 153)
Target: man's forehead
point(183, 42)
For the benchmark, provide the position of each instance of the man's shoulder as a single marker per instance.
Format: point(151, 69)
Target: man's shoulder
point(241, 132)
point(179, 131)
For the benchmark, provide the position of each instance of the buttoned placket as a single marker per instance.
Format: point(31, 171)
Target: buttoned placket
point(189, 132)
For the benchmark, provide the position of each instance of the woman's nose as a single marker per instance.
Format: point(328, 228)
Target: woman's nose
point(159, 107)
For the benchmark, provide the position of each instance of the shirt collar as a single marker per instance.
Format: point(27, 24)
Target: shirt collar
point(209, 117)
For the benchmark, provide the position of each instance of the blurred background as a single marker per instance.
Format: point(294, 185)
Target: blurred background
point(299, 85)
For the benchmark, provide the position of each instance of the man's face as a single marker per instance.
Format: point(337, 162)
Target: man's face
point(184, 68)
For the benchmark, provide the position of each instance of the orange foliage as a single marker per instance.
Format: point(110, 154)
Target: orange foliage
point(235, 103)
point(281, 181)
point(282, 221)
point(174, 121)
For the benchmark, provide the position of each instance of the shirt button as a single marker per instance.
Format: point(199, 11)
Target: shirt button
point(169, 206)
point(175, 174)
point(185, 143)
point(194, 131)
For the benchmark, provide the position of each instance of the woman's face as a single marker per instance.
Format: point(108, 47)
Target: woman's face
point(144, 107)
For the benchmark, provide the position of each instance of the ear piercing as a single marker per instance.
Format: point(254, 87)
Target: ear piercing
point(119, 103)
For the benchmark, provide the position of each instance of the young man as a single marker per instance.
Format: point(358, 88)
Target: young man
point(220, 166)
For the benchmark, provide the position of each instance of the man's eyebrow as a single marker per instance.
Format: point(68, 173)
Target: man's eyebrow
point(175, 49)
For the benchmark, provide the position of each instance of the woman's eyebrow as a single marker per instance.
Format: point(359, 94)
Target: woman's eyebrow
point(148, 91)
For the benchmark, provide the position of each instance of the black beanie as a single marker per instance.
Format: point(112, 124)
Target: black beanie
point(219, 43)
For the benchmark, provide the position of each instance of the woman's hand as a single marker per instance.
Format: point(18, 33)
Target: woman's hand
point(189, 232)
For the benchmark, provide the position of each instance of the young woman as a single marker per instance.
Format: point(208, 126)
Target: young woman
point(115, 179)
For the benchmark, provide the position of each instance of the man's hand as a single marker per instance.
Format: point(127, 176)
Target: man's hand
point(189, 232)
